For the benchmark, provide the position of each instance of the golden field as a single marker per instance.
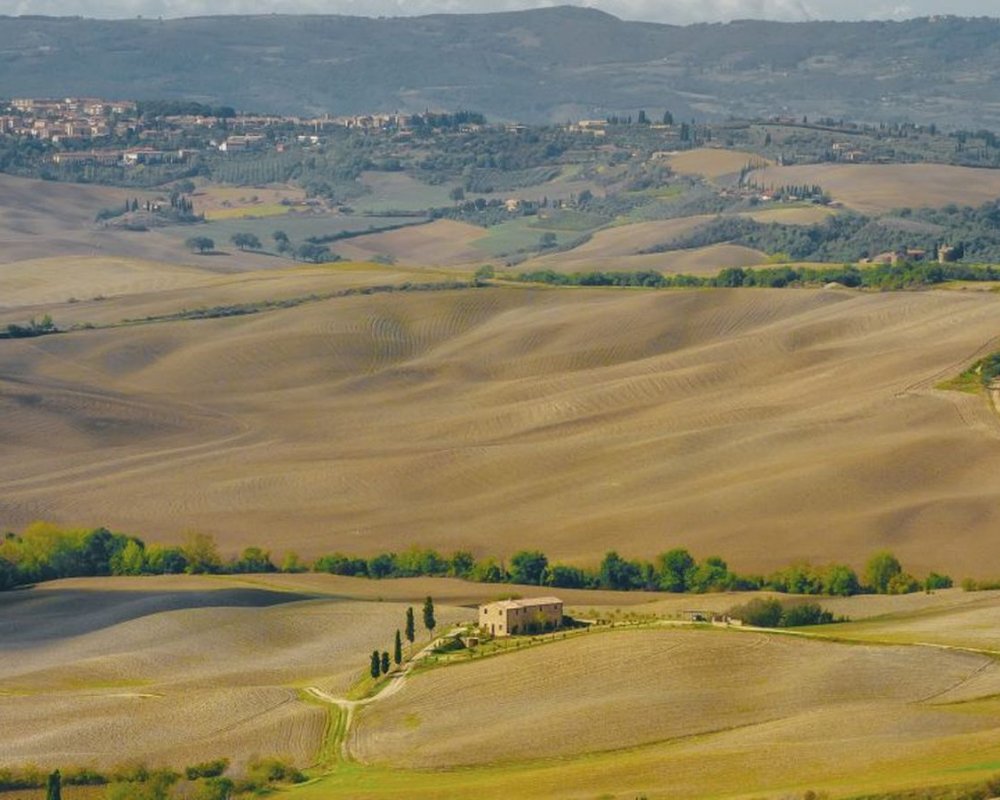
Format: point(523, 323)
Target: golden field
point(175, 670)
point(878, 188)
point(641, 712)
point(713, 163)
point(765, 426)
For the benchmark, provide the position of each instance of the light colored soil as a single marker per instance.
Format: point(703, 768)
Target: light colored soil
point(105, 291)
point(625, 240)
point(53, 281)
point(108, 728)
point(643, 419)
point(697, 261)
point(710, 260)
point(877, 188)
point(712, 162)
point(45, 220)
point(808, 215)
point(177, 669)
point(439, 243)
point(447, 590)
point(616, 690)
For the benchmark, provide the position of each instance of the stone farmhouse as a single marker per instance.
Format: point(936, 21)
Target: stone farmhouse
point(511, 617)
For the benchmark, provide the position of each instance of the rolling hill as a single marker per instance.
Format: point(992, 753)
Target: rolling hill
point(763, 425)
point(549, 64)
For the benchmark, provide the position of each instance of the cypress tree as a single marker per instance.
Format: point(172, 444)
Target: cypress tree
point(54, 790)
point(376, 666)
point(429, 621)
point(397, 653)
point(385, 662)
point(411, 632)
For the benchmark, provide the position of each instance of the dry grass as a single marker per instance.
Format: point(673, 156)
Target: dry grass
point(174, 670)
point(53, 281)
point(615, 249)
point(713, 163)
point(877, 188)
point(709, 260)
point(439, 243)
point(702, 691)
point(735, 422)
point(105, 290)
point(237, 202)
point(963, 620)
point(607, 247)
point(802, 215)
point(451, 591)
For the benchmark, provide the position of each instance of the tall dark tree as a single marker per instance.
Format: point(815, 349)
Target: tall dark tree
point(376, 665)
point(384, 662)
point(54, 789)
point(429, 622)
point(397, 650)
point(411, 632)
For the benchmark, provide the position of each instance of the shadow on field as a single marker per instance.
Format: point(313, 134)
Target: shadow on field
point(32, 616)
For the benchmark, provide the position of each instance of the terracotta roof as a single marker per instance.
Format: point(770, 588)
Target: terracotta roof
point(530, 602)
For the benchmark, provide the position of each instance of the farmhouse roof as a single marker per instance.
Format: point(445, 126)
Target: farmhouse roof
point(530, 602)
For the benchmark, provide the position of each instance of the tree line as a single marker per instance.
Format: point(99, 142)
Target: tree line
point(45, 552)
point(973, 231)
point(883, 277)
point(136, 781)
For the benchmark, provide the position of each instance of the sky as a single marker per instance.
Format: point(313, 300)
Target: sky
point(670, 11)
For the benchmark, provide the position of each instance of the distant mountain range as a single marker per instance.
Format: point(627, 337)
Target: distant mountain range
point(533, 66)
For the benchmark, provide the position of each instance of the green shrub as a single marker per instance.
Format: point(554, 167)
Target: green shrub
point(207, 769)
point(274, 770)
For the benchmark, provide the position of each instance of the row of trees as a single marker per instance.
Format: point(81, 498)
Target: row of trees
point(313, 252)
point(205, 781)
point(673, 571)
point(380, 662)
point(886, 277)
point(46, 552)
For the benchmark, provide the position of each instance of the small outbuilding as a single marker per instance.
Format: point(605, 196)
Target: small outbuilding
point(511, 617)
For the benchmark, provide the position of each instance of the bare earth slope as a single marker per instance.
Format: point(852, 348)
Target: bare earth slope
point(763, 425)
point(615, 691)
point(877, 188)
point(176, 670)
point(49, 219)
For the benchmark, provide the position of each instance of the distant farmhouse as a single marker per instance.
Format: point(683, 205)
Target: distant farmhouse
point(511, 617)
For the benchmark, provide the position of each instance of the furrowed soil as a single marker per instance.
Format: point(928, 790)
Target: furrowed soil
point(766, 426)
point(176, 670)
point(878, 188)
point(618, 690)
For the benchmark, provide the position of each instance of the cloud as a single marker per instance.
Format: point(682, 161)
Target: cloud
point(670, 11)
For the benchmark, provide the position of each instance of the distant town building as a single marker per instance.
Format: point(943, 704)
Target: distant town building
point(107, 158)
point(239, 144)
point(511, 617)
